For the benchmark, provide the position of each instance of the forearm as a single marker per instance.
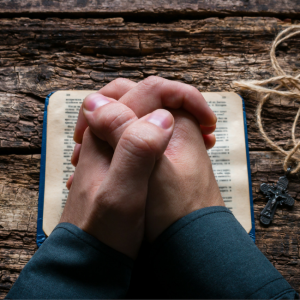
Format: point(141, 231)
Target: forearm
point(73, 264)
point(207, 254)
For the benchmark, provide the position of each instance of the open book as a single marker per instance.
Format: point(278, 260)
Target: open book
point(229, 157)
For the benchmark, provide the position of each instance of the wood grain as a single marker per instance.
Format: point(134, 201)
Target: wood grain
point(19, 181)
point(39, 56)
point(290, 8)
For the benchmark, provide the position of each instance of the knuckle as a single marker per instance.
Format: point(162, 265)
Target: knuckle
point(120, 82)
point(194, 89)
point(153, 81)
point(118, 120)
point(138, 145)
point(105, 200)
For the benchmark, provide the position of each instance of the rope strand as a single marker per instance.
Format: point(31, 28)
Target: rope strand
point(291, 83)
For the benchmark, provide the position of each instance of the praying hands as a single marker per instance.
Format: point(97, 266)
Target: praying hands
point(144, 216)
point(138, 161)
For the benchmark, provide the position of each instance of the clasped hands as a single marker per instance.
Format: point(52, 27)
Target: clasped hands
point(140, 167)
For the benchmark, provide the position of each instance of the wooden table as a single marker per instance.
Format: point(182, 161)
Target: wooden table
point(48, 45)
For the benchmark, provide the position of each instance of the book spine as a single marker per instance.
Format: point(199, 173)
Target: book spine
point(40, 235)
point(252, 232)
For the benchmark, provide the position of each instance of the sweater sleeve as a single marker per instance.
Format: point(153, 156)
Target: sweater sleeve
point(73, 264)
point(207, 254)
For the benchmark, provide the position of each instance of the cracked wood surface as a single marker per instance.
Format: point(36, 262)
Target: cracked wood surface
point(182, 7)
point(40, 56)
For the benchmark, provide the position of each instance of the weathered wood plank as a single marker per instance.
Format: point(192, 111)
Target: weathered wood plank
point(280, 242)
point(19, 179)
point(19, 175)
point(40, 56)
point(21, 121)
point(182, 7)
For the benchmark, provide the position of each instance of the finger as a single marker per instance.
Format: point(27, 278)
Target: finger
point(69, 182)
point(92, 167)
point(81, 124)
point(188, 141)
point(80, 127)
point(75, 154)
point(94, 161)
point(123, 191)
point(117, 88)
point(107, 119)
point(120, 86)
point(207, 130)
point(209, 141)
point(141, 144)
point(111, 118)
point(155, 92)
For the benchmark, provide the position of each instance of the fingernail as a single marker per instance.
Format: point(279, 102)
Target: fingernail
point(161, 118)
point(93, 101)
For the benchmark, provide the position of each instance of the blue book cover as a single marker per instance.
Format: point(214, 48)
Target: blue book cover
point(252, 232)
point(40, 238)
point(40, 235)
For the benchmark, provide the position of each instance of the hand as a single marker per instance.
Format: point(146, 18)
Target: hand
point(154, 93)
point(182, 180)
point(109, 189)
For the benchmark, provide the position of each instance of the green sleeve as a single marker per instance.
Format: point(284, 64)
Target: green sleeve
point(72, 264)
point(207, 254)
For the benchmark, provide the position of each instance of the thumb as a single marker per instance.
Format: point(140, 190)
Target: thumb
point(123, 192)
point(140, 145)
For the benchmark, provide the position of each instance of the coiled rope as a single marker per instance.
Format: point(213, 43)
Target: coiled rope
point(292, 90)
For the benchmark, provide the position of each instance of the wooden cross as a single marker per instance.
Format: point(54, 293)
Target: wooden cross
point(276, 194)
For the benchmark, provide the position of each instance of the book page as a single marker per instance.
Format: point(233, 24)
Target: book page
point(228, 157)
point(62, 116)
